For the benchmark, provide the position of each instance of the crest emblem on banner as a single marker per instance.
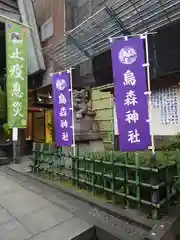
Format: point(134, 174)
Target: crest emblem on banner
point(61, 84)
point(15, 37)
point(127, 55)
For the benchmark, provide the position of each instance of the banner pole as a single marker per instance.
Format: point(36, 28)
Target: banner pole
point(72, 106)
point(132, 35)
point(150, 96)
point(15, 145)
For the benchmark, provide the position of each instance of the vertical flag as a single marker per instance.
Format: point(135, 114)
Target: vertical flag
point(62, 109)
point(16, 74)
point(130, 93)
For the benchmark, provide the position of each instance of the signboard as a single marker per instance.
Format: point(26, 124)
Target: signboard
point(130, 98)
point(62, 109)
point(16, 74)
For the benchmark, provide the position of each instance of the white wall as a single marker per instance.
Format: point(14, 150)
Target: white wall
point(165, 129)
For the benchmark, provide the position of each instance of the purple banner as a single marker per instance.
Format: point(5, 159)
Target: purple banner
point(62, 109)
point(128, 57)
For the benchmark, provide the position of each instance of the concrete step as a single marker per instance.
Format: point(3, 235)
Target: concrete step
point(95, 233)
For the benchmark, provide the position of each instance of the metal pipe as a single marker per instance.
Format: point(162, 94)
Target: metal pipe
point(51, 74)
point(135, 35)
point(150, 96)
point(73, 125)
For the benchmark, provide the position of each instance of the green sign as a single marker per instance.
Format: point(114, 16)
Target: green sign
point(16, 74)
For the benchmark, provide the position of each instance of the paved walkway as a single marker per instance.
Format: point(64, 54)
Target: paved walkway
point(30, 209)
point(27, 215)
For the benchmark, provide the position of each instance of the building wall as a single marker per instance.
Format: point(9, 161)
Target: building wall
point(9, 8)
point(44, 10)
point(165, 129)
point(102, 104)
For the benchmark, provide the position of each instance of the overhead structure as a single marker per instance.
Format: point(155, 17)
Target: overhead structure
point(123, 17)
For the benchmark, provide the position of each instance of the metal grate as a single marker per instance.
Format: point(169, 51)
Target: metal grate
point(124, 17)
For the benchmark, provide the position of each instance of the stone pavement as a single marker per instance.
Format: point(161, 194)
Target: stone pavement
point(31, 209)
point(27, 215)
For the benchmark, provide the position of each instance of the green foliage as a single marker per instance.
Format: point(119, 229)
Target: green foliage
point(173, 143)
point(144, 158)
point(119, 178)
point(7, 130)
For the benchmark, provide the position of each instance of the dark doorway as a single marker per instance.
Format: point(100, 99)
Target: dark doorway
point(3, 114)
